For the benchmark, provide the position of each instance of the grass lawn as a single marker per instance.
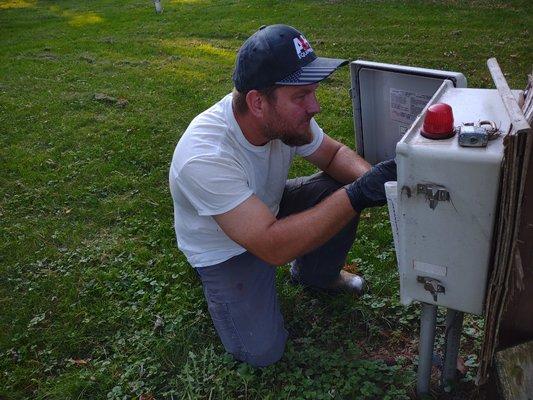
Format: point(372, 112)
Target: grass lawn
point(96, 301)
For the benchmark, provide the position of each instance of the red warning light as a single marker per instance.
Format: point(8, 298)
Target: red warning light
point(438, 122)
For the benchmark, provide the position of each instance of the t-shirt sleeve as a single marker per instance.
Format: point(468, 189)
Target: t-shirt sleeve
point(310, 148)
point(213, 185)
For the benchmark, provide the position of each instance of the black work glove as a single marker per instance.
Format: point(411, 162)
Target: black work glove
point(369, 190)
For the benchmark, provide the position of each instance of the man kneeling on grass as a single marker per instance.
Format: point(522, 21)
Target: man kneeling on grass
point(236, 214)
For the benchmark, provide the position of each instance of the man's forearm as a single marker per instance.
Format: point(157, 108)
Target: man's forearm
point(346, 166)
point(299, 233)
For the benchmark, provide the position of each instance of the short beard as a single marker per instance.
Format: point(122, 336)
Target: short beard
point(294, 140)
point(277, 129)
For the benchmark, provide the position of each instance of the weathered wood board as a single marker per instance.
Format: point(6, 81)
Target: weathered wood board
point(507, 307)
point(514, 367)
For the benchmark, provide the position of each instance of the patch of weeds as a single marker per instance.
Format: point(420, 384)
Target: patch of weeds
point(207, 375)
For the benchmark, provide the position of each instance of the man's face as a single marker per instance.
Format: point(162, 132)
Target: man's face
point(287, 117)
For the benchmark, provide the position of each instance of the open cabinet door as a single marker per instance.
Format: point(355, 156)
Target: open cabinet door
point(387, 99)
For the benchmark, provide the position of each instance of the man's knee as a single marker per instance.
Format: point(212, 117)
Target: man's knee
point(268, 352)
point(242, 301)
point(322, 185)
point(305, 192)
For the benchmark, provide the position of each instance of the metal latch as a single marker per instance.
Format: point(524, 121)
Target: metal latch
point(432, 285)
point(434, 193)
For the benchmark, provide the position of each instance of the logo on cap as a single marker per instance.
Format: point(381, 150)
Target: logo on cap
point(302, 46)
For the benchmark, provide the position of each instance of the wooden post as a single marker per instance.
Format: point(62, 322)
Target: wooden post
point(508, 315)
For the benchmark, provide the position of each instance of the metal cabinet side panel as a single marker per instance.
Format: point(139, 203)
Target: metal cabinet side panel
point(452, 242)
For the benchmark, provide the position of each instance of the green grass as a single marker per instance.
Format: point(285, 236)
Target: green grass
point(88, 260)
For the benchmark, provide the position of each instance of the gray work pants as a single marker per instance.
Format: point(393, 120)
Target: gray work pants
point(241, 292)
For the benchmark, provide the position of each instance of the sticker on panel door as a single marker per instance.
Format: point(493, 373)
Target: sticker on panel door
point(428, 268)
point(402, 129)
point(405, 106)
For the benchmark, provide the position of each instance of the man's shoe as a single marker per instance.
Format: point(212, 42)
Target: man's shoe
point(295, 275)
point(348, 282)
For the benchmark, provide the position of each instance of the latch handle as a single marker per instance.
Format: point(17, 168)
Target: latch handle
point(432, 285)
point(433, 193)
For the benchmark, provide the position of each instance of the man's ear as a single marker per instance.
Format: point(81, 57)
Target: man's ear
point(255, 102)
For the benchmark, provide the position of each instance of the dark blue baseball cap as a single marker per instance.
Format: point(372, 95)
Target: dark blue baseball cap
point(279, 54)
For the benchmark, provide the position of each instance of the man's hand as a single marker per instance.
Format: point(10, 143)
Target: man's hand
point(369, 190)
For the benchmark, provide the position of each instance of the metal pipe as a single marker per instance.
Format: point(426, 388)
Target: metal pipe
point(428, 322)
point(158, 6)
point(452, 340)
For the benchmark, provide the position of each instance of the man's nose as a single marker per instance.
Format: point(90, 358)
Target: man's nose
point(313, 106)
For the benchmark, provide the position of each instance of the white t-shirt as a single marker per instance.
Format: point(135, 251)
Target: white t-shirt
point(214, 169)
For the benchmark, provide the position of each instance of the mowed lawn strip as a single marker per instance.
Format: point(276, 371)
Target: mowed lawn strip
point(96, 301)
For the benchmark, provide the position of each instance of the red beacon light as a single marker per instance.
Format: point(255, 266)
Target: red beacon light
point(438, 122)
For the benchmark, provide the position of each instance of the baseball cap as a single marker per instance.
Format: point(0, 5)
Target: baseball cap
point(279, 54)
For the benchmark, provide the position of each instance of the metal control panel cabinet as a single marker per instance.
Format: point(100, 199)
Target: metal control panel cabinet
point(446, 204)
point(387, 99)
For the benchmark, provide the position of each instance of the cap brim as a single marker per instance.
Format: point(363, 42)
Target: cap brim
point(317, 70)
